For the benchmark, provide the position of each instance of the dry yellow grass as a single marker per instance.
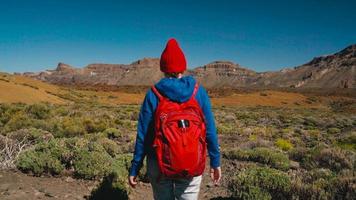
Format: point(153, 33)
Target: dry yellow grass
point(267, 98)
point(116, 97)
point(41, 85)
point(20, 89)
point(15, 89)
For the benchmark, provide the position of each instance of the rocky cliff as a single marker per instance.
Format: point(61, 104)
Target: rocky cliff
point(332, 71)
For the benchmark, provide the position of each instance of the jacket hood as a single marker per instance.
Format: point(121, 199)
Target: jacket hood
point(176, 89)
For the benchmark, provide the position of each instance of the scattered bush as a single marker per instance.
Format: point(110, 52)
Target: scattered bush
point(90, 140)
point(10, 149)
point(92, 164)
point(89, 160)
point(30, 134)
point(112, 133)
point(311, 122)
point(334, 158)
point(70, 127)
point(114, 185)
point(110, 146)
point(39, 163)
point(95, 126)
point(283, 144)
point(225, 129)
point(111, 188)
point(322, 184)
point(18, 120)
point(262, 155)
point(333, 130)
point(348, 142)
point(38, 111)
point(127, 124)
point(260, 183)
point(343, 187)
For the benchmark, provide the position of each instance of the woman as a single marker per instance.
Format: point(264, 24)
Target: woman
point(177, 88)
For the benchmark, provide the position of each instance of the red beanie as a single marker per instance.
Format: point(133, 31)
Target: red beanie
point(172, 58)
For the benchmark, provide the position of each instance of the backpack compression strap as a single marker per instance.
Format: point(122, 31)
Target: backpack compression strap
point(154, 89)
point(160, 97)
point(196, 87)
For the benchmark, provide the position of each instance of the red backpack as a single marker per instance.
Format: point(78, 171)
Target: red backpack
point(180, 137)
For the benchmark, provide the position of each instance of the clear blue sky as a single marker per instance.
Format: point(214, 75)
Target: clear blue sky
point(262, 35)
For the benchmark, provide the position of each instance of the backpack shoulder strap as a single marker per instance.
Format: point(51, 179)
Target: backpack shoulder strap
point(160, 97)
point(196, 87)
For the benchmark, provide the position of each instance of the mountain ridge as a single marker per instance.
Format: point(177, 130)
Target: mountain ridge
point(337, 70)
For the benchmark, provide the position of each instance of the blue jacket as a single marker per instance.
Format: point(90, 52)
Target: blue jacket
point(178, 90)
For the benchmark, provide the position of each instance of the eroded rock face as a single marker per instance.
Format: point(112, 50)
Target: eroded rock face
point(332, 71)
point(141, 72)
point(223, 73)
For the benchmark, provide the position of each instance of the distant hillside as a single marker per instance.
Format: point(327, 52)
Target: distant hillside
point(332, 71)
point(20, 89)
point(141, 72)
point(223, 73)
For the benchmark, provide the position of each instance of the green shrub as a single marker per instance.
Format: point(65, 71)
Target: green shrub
point(314, 134)
point(30, 134)
point(283, 144)
point(39, 163)
point(92, 164)
point(252, 138)
point(110, 146)
point(313, 184)
point(70, 127)
point(225, 128)
point(18, 121)
point(334, 158)
point(60, 111)
point(260, 183)
point(343, 187)
point(38, 111)
point(262, 155)
point(121, 164)
point(115, 183)
point(300, 154)
point(7, 111)
point(95, 126)
point(344, 122)
point(311, 122)
point(333, 130)
point(57, 148)
point(88, 159)
point(38, 134)
point(111, 188)
point(127, 124)
point(348, 142)
point(112, 133)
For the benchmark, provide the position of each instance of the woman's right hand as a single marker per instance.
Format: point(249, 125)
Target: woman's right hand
point(133, 181)
point(215, 174)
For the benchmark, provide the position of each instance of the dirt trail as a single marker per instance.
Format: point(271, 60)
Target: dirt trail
point(18, 186)
point(15, 185)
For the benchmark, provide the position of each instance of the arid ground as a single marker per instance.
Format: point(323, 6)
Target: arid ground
point(61, 142)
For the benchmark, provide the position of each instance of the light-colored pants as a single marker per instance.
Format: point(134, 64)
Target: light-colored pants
point(171, 189)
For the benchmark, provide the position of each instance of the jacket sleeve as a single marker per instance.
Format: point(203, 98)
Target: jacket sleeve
point(211, 135)
point(144, 131)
